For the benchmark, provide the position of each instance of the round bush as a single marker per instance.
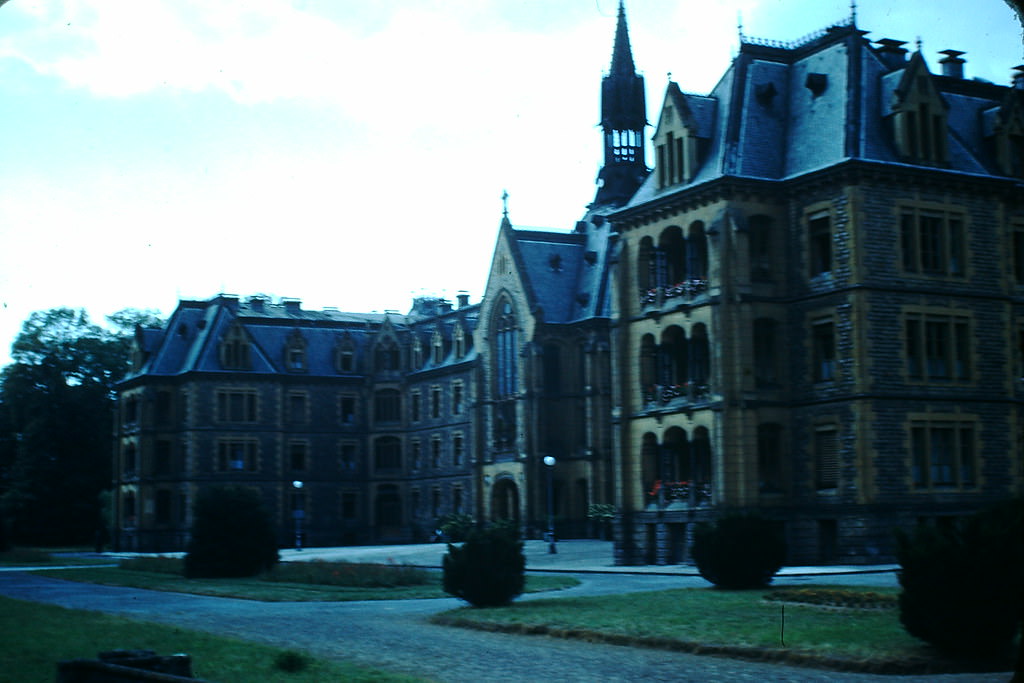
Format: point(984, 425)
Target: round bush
point(739, 552)
point(962, 586)
point(232, 535)
point(488, 570)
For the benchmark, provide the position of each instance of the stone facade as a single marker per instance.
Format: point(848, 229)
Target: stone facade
point(812, 307)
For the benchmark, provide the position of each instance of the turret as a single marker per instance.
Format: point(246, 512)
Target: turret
point(623, 119)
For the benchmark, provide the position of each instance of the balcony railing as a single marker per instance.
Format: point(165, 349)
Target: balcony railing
point(692, 494)
point(687, 392)
point(687, 289)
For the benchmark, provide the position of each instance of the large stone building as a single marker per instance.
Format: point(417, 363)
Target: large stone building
point(811, 306)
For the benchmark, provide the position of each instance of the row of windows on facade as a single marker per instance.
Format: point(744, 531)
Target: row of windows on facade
point(165, 511)
point(242, 406)
point(235, 352)
point(932, 242)
point(937, 349)
point(943, 456)
point(243, 455)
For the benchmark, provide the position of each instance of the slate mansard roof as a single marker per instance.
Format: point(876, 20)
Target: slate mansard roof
point(565, 273)
point(191, 339)
point(784, 110)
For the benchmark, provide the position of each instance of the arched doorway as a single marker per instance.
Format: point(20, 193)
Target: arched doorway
point(505, 500)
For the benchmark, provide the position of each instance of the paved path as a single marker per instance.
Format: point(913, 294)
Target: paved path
point(398, 636)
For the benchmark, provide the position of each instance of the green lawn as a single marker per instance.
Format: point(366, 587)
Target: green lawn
point(276, 591)
point(740, 623)
point(37, 636)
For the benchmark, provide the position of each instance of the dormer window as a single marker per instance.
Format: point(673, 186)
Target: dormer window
point(919, 117)
point(345, 356)
point(459, 337)
point(234, 350)
point(437, 348)
point(417, 353)
point(1008, 133)
point(386, 358)
point(295, 353)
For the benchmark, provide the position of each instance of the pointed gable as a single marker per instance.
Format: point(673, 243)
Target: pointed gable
point(919, 115)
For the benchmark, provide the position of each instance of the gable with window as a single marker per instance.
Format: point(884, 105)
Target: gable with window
point(919, 116)
point(345, 355)
point(235, 351)
point(295, 352)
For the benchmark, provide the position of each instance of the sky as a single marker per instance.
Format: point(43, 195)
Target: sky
point(347, 153)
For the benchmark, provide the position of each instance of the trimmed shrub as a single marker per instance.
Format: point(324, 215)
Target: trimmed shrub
point(489, 570)
point(456, 527)
point(739, 551)
point(962, 585)
point(232, 535)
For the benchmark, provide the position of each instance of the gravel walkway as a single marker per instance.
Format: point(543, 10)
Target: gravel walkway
point(396, 635)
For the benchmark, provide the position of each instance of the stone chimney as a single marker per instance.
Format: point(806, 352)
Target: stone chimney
point(1018, 77)
point(463, 298)
point(952, 64)
point(892, 53)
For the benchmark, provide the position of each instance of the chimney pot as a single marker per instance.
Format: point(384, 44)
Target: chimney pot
point(891, 52)
point(952, 64)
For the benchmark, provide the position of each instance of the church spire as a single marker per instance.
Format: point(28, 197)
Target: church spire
point(623, 119)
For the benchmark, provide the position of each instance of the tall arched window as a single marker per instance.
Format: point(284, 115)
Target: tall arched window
point(700, 359)
point(673, 249)
point(645, 265)
point(673, 358)
point(506, 374)
point(697, 252)
point(648, 366)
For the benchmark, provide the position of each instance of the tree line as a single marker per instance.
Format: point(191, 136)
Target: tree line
point(57, 400)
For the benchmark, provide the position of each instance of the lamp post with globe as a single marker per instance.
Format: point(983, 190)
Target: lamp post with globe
point(549, 460)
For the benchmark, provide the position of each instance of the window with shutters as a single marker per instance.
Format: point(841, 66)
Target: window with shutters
point(942, 454)
point(826, 458)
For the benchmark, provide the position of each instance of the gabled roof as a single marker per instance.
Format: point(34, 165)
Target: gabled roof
point(784, 110)
point(190, 342)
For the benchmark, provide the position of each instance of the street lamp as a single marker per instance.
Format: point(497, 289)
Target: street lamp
point(549, 460)
point(298, 513)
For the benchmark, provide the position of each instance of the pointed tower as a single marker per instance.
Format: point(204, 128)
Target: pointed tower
point(623, 119)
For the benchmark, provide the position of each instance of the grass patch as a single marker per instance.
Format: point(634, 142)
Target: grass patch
point(736, 623)
point(37, 636)
point(29, 557)
point(290, 581)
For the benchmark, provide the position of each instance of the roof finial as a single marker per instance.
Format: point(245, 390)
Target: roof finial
point(918, 42)
point(739, 24)
point(853, 12)
point(504, 203)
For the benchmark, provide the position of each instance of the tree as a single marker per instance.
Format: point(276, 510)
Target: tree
point(232, 535)
point(56, 412)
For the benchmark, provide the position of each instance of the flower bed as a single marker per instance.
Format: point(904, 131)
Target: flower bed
point(834, 597)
